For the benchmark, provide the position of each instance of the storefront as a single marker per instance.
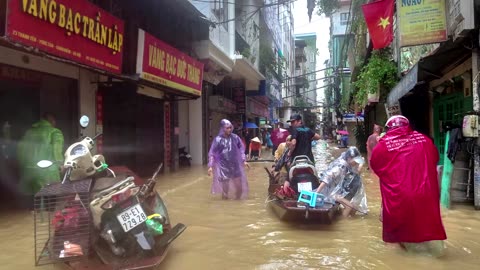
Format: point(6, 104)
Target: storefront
point(55, 76)
point(435, 95)
point(141, 125)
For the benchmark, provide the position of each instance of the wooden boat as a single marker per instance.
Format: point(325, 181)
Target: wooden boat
point(289, 210)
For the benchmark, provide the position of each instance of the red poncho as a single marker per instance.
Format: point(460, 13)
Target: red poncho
point(405, 161)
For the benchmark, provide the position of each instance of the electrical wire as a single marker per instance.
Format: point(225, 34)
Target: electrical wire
point(251, 13)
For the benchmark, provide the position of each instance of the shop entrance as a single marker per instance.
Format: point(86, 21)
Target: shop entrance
point(133, 129)
point(24, 96)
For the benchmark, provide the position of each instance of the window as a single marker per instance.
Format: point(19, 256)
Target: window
point(220, 9)
point(344, 18)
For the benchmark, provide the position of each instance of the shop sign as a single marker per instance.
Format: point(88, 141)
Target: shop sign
point(240, 99)
point(352, 117)
point(392, 110)
point(160, 63)
point(421, 22)
point(74, 30)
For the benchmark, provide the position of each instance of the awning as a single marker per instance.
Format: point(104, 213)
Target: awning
point(406, 84)
point(429, 68)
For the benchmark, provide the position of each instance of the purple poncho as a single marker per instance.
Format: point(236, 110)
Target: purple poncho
point(227, 158)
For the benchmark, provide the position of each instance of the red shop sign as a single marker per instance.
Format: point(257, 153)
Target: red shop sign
point(75, 30)
point(160, 63)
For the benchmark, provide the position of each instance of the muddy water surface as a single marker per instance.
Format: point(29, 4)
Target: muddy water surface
point(246, 235)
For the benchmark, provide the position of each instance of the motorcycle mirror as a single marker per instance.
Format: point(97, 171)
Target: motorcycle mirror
point(84, 120)
point(157, 171)
point(44, 163)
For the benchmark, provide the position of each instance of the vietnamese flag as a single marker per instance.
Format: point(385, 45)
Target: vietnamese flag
point(379, 18)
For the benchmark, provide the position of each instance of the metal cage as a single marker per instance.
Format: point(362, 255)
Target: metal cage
point(62, 222)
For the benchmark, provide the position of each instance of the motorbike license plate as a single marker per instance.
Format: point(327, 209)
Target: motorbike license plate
point(307, 186)
point(132, 217)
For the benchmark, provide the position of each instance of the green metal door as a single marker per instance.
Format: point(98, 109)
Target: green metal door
point(451, 109)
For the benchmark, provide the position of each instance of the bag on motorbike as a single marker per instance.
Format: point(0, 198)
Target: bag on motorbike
point(69, 218)
point(281, 193)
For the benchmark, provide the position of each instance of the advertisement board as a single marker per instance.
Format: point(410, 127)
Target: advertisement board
point(160, 63)
point(75, 30)
point(421, 22)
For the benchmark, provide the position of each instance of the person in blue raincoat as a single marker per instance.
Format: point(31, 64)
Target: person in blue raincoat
point(226, 161)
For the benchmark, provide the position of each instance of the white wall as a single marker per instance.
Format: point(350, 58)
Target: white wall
point(337, 27)
point(219, 34)
point(196, 131)
point(183, 125)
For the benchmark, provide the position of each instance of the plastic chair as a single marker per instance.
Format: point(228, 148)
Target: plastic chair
point(311, 199)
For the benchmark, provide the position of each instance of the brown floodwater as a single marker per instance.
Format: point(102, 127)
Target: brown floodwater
point(247, 235)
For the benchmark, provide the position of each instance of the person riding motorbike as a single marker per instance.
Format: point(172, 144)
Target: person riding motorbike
point(342, 183)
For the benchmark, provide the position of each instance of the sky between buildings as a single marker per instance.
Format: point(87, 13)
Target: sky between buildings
point(319, 25)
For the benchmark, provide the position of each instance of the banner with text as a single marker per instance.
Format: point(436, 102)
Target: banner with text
point(421, 21)
point(160, 63)
point(74, 30)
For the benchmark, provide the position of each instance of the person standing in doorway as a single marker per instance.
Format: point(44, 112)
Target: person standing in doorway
point(373, 140)
point(43, 141)
point(406, 164)
point(226, 163)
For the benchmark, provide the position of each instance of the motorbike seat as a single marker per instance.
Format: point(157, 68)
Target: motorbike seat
point(107, 184)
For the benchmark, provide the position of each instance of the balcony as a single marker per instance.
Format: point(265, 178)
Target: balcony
point(243, 69)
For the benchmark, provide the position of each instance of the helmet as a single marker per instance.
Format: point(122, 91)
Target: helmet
point(397, 121)
point(353, 153)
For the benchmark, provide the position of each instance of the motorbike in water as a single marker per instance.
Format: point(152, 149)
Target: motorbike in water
point(184, 158)
point(302, 177)
point(99, 217)
point(300, 204)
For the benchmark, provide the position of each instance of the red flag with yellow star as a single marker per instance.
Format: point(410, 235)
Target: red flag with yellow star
point(379, 18)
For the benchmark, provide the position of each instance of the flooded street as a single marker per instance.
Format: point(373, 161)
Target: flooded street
point(246, 234)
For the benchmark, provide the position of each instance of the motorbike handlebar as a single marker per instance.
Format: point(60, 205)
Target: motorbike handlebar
point(67, 175)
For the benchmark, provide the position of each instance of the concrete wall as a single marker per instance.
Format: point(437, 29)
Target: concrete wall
point(219, 35)
point(337, 27)
point(25, 60)
point(196, 131)
point(183, 124)
point(46, 65)
point(87, 96)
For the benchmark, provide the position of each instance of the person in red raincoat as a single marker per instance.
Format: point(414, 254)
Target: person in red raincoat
point(405, 162)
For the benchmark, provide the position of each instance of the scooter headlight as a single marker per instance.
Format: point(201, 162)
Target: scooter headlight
point(79, 150)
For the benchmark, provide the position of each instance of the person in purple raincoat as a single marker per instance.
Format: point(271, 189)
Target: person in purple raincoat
point(226, 160)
